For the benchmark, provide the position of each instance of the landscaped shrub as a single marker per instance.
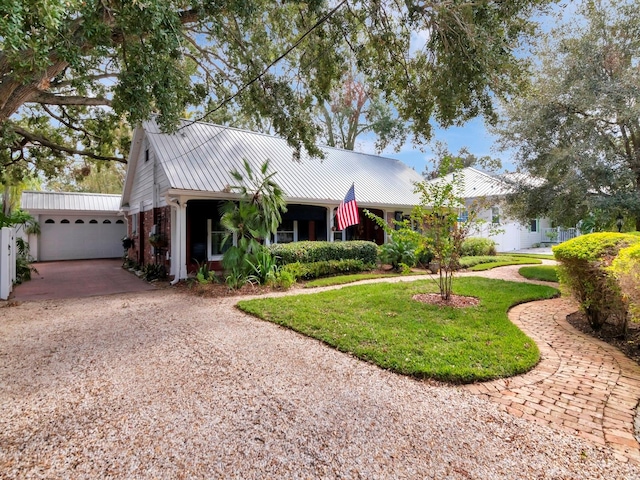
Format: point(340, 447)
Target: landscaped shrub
point(309, 271)
point(476, 246)
point(308, 251)
point(626, 269)
point(584, 270)
point(397, 252)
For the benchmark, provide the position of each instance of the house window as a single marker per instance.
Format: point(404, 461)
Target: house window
point(533, 225)
point(49, 220)
point(338, 236)
point(463, 216)
point(286, 232)
point(495, 215)
point(134, 223)
point(79, 220)
point(119, 222)
point(106, 221)
point(93, 221)
point(216, 234)
point(64, 220)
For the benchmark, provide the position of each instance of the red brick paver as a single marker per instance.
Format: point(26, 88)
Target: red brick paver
point(581, 385)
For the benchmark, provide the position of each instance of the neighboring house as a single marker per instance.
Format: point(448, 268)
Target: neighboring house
point(75, 226)
point(489, 191)
point(176, 183)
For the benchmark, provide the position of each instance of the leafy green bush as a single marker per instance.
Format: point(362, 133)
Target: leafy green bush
point(476, 246)
point(309, 271)
point(397, 252)
point(284, 279)
point(309, 251)
point(584, 270)
point(626, 268)
point(263, 266)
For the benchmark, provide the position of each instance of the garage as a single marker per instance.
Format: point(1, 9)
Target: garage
point(75, 226)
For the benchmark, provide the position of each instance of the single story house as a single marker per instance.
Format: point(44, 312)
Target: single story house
point(508, 233)
point(175, 184)
point(74, 226)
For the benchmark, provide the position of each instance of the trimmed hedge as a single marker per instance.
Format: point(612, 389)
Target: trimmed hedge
point(309, 252)
point(584, 270)
point(477, 247)
point(626, 268)
point(310, 271)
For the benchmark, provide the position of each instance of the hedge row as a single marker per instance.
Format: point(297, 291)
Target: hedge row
point(310, 271)
point(309, 252)
point(588, 270)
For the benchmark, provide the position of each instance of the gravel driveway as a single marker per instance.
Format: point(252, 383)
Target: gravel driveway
point(166, 385)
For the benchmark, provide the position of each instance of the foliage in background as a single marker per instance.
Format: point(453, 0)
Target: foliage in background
point(24, 261)
point(576, 131)
point(382, 323)
point(584, 270)
point(441, 153)
point(476, 246)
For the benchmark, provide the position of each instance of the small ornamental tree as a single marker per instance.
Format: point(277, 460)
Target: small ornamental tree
point(437, 219)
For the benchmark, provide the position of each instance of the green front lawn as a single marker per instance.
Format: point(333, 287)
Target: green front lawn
point(382, 324)
point(546, 273)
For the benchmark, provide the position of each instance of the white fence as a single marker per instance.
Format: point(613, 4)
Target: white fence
point(7, 261)
point(559, 235)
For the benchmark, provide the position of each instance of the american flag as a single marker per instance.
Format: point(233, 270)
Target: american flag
point(347, 213)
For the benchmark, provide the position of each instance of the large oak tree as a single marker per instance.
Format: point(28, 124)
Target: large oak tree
point(576, 131)
point(74, 74)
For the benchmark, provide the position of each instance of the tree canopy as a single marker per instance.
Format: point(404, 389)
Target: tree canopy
point(576, 131)
point(74, 74)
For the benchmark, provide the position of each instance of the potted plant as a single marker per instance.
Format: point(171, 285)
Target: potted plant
point(127, 243)
point(158, 240)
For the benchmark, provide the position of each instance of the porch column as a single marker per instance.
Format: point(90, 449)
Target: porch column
point(182, 234)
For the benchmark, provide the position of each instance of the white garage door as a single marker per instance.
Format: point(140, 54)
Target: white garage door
point(80, 237)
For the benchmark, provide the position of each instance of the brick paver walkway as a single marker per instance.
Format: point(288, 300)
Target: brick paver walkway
point(581, 385)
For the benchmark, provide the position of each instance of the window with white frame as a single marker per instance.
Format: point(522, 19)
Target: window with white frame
point(215, 249)
point(463, 216)
point(495, 215)
point(134, 223)
point(533, 225)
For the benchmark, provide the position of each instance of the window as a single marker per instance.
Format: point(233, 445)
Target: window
point(119, 222)
point(338, 236)
point(107, 221)
point(533, 225)
point(463, 216)
point(64, 220)
point(93, 220)
point(286, 232)
point(49, 220)
point(495, 215)
point(79, 220)
point(214, 241)
point(134, 223)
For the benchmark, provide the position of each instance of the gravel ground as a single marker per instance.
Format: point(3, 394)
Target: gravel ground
point(167, 385)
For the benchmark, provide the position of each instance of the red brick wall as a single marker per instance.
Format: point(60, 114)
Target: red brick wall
point(142, 252)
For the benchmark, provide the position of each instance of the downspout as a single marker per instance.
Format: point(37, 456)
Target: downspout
point(175, 239)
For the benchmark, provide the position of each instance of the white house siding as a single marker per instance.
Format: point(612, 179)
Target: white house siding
point(149, 176)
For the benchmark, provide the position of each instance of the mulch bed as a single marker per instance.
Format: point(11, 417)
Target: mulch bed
point(455, 301)
point(629, 345)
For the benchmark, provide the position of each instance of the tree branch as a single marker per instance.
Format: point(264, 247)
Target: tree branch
point(53, 99)
point(45, 142)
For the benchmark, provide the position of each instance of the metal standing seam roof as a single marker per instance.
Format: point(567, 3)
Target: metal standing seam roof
point(70, 201)
point(477, 184)
point(200, 156)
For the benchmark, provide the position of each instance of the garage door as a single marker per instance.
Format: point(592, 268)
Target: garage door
point(80, 237)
